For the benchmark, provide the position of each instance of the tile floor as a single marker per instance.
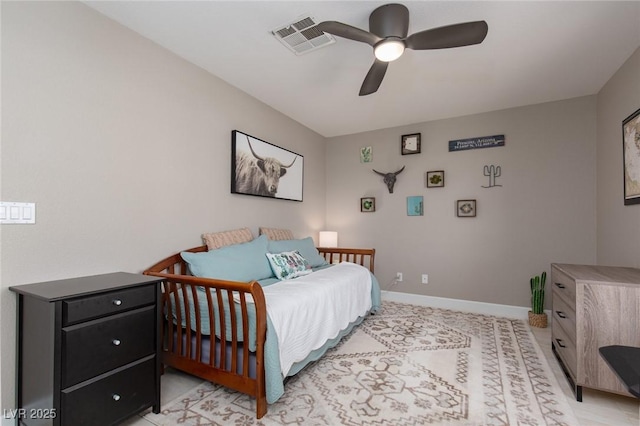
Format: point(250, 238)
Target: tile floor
point(596, 409)
point(174, 384)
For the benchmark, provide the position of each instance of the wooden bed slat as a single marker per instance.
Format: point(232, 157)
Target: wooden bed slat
point(212, 342)
point(245, 336)
point(196, 305)
point(223, 330)
point(187, 328)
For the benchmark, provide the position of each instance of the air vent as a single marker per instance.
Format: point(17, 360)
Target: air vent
point(302, 36)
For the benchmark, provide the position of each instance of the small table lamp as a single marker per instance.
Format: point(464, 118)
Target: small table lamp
point(328, 239)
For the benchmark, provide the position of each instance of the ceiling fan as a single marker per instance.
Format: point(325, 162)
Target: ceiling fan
point(388, 28)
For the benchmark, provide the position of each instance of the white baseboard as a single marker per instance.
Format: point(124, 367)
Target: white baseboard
point(507, 311)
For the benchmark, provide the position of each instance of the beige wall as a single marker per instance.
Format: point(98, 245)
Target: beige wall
point(125, 148)
point(618, 225)
point(543, 213)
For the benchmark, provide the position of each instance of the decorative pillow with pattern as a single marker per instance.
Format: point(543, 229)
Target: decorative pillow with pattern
point(305, 246)
point(289, 264)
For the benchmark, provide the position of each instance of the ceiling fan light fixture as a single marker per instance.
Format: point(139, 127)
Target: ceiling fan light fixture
point(389, 50)
point(388, 35)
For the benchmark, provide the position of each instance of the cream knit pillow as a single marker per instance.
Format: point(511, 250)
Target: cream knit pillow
point(276, 234)
point(215, 240)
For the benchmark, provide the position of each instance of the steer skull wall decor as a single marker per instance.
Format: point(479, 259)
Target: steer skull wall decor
point(390, 178)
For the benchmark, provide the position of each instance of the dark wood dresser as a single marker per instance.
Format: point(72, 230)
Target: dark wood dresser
point(88, 349)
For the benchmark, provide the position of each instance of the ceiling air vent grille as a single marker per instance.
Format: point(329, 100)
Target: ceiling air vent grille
point(302, 36)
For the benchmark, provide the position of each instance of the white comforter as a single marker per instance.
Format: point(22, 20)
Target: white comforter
point(309, 310)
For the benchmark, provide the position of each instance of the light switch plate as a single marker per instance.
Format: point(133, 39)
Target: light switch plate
point(17, 213)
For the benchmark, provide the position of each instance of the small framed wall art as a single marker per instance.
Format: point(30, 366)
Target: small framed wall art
point(410, 144)
point(415, 205)
point(466, 208)
point(367, 204)
point(366, 154)
point(435, 179)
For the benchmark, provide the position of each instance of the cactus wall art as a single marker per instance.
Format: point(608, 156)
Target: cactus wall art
point(492, 172)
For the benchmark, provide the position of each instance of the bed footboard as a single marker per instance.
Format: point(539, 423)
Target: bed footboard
point(183, 299)
point(363, 257)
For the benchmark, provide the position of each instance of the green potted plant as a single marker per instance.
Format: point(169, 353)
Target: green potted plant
point(537, 316)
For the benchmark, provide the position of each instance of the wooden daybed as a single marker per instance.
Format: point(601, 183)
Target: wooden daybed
point(226, 359)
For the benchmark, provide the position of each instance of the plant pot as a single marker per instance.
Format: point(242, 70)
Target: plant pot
point(538, 320)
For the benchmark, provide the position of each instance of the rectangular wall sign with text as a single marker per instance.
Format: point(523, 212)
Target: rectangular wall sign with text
point(476, 143)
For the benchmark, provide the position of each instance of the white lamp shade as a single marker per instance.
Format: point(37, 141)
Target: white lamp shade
point(328, 239)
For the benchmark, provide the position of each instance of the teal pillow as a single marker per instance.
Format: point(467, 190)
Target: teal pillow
point(239, 262)
point(289, 264)
point(305, 247)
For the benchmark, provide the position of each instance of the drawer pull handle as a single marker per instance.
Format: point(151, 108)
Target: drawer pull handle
point(116, 397)
point(116, 342)
point(117, 302)
point(560, 343)
point(561, 314)
point(560, 285)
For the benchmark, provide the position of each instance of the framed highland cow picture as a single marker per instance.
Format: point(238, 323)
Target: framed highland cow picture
point(265, 170)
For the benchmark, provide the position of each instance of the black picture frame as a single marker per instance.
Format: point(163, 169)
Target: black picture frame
point(435, 179)
point(631, 158)
point(410, 144)
point(367, 204)
point(262, 169)
point(466, 208)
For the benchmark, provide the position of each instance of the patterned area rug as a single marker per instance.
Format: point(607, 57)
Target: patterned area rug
point(406, 365)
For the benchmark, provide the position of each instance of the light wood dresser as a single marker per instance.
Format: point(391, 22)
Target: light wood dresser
point(593, 306)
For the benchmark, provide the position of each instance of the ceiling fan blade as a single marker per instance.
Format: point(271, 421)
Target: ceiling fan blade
point(347, 31)
point(374, 78)
point(456, 35)
point(390, 20)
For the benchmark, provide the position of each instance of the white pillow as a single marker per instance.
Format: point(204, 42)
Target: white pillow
point(289, 264)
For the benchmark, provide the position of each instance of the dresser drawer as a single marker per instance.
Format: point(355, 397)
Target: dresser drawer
point(111, 398)
point(564, 286)
point(564, 316)
point(91, 307)
point(97, 346)
point(566, 348)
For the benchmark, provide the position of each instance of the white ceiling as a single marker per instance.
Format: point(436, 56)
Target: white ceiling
point(534, 52)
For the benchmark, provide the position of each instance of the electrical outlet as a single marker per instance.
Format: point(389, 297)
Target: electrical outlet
point(425, 278)
point(398, 276)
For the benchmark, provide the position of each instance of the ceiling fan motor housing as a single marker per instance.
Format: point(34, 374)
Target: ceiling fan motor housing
point(390, 20)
